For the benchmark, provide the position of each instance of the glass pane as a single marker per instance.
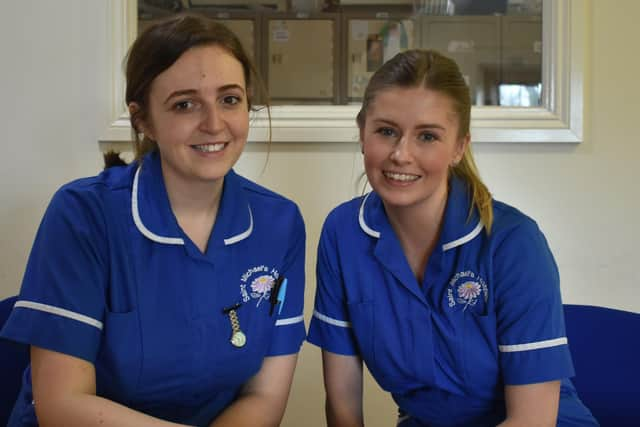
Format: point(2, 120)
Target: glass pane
point(325, 51)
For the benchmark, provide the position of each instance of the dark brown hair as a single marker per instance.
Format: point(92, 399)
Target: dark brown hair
point(160, 45)
point(431, 70)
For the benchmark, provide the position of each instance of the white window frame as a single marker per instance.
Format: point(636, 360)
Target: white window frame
point(560, 120)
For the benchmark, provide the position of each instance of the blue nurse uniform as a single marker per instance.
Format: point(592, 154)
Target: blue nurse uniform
point(488, 312)
point(112, 279)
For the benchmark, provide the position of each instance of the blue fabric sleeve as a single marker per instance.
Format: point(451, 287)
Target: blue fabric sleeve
point(330, 326)
point(530, 321)
point(289, 330)
point(62, 303)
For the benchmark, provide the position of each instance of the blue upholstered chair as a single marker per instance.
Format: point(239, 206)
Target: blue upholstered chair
point(14, 358)
point(605, 346)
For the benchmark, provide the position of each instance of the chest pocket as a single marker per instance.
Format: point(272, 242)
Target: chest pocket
point(479, 348)
point(395, 344)
point(238, 364)
point(191, 359)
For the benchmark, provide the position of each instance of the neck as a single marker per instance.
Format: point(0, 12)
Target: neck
point(418, 229)
point(193, 199)
point(195, 205)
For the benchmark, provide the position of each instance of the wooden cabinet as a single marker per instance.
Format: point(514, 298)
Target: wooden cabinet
point(474, 43)
point(521, 45)
point(300, 61)
point(328, 58)
point(370, 40)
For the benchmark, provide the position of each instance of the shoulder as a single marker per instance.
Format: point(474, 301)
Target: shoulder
point(348, 209)
point(345, 215)
point(112, 179)
point(270, 206)
point(93, 194)
point(519, 241)
point(509, 222)
point(342, 225)
point(263, 197)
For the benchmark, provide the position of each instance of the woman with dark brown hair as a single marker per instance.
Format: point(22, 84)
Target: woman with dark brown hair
point(168, 291)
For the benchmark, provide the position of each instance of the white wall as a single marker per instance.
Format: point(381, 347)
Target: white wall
point(52, 81)
point(585, 197)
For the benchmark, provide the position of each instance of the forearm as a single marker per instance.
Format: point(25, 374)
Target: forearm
point(512, 422)
point(532, 405)
point(343, 384)
point(343, 415)
point(251, 410)
point(86, 410)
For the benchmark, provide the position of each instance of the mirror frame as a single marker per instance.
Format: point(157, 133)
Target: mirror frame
point(560, 120)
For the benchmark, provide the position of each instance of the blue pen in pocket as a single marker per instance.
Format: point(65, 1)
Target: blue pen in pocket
point(278, 294)
point(282, 293)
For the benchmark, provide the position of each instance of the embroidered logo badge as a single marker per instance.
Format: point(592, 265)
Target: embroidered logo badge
point(467, 289)
point(256, 283)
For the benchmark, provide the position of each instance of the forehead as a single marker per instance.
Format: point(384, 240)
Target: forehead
point(206, 67)
point(415, 104)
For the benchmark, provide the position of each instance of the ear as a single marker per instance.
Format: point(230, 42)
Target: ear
point(139, 125)
point(461, 148)
point(361, 140)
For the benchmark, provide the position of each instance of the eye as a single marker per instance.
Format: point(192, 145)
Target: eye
point(231, 100)
point(428, 137)
point(184, 105)
point(386, 132)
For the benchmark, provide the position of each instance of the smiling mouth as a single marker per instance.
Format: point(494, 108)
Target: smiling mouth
point(402, 177)
point(210, 148)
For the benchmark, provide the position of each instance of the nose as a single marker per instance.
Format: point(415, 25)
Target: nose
point(401, 151)
point(212, 121)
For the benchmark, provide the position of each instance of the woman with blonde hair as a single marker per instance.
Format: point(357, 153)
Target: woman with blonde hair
point(450, 298)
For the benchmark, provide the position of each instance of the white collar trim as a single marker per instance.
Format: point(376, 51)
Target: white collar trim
point(464, 239)
point(363, 224)
point(135, 212)
point(455, 243)
point(138, 221)
point(244, 234)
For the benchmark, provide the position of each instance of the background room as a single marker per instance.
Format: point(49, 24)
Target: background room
point(57, 77)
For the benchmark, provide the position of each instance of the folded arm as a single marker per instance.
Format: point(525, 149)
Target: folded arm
point(343, 385)
point(64, 392)
point(532, 405)
point(263, 399)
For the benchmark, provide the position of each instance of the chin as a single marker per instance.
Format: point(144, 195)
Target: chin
point(392, 198)
point(211, 175)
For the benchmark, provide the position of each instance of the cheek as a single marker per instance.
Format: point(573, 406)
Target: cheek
point(372, 157)
point(368, 164)
point(436, 163)
point(170, 129)
point(241, 127)
point(442, 162)
point(448, 155)
point(237, 124)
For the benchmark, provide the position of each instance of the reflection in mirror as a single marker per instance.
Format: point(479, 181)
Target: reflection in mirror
point(325, 51)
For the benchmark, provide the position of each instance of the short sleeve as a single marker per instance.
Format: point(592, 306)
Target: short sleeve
point(289, 329)
point(330, 326)
point(530, 323)
point(61, 303)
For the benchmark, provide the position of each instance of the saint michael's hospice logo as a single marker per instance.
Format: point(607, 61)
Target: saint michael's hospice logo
point(257, 282)
point(467, 290)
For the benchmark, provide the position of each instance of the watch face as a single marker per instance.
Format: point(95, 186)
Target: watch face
point(238, 339)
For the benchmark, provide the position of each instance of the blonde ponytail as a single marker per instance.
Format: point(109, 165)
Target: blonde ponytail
point(467, 170)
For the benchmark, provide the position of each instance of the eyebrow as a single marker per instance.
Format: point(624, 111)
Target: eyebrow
point(420, 126)
point(195, 91)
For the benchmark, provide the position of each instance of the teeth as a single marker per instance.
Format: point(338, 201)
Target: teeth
point(401, 176)
point(209, 148)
